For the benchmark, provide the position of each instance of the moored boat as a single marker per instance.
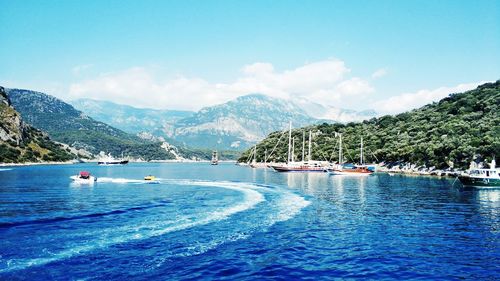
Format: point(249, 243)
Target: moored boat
point(84, 177)
point(110, 160)
point(355, 170)
point(300, 166)
point(215, 158)
point(481, 178)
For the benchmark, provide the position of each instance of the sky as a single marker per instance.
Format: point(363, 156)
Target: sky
point(390, 56)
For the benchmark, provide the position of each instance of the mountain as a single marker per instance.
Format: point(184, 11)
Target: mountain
point(238, 123)
point(327, 112)
point(20, 142)
point(67, 125)
point(130, 119)
point(451, 132)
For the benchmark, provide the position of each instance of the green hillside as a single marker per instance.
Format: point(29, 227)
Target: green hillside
point(67, 125)
point(453, 131)
point(21, 143)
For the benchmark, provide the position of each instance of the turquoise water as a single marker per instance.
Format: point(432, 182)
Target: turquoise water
point(230, 222)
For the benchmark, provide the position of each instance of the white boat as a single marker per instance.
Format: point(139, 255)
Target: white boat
point(84, 178)
point(300, 166)
point(110, 160)
point(481, 178)
point(258, 165)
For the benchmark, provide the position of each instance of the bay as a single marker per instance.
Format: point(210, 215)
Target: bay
point(229, 222)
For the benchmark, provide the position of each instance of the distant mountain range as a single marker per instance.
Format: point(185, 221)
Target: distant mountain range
point(234, 125)
point(128, 118)
point(67, 125)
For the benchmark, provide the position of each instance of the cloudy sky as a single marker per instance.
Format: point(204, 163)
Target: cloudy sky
point(384, 55)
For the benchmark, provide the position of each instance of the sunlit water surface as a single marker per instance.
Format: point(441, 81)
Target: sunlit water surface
point(229, 222)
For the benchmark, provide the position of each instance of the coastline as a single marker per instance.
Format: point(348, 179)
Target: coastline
point(35, 164)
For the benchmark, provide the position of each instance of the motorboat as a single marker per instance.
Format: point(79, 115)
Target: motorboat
point(481, 178)
point(84, 177)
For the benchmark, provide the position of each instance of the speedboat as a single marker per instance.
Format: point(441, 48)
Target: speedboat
point(481, 178)
point(84, 177)
point(150, 179)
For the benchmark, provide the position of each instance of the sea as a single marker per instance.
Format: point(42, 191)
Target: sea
point(227, 222)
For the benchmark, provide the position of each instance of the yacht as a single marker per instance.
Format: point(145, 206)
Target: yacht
point(481, 178)
point(110, 160)
point(300, 166)
point(355, 170)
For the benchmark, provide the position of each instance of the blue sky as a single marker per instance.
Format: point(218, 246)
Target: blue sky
point(376, 51)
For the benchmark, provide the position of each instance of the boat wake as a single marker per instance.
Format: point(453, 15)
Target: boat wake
point(228, 223)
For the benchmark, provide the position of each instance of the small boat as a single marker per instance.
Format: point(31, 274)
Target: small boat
point(215, 158)
point(481, 178)
point(84, 177)
point(110, 160)
point(149, 178)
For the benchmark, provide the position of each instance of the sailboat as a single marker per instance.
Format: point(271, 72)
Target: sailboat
point(215, 158)
point(300, 166)
point(254, 164)
point(357, 170)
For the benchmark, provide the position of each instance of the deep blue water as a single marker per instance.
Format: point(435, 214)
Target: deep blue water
point(230, 222)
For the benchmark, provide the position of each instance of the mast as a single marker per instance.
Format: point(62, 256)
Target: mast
point(309, 155)
point(340, 149)
point(293, 149)
point(303, 144)
point(254, 154)
point(265, 156)
point(361, 156)
point(289, 142)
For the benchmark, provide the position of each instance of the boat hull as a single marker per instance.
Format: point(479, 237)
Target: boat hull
point(299, 169)
point(351, 172)
point(122, 162)
point(477, 182)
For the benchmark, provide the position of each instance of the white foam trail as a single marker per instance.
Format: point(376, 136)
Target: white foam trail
point(5, 169)
point(252, 198)
point(119, 180)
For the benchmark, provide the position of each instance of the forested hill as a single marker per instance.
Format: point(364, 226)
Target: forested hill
point(20, 142)
point(453, 131)
point(65, 124)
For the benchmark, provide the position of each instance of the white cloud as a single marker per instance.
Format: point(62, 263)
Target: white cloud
point(323, 81)
point(379, 73)
point(407, 101)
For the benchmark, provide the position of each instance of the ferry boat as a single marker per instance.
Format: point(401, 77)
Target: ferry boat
point(84, 177)
point(110, 160)
point(481, 178)
point(356, 170)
